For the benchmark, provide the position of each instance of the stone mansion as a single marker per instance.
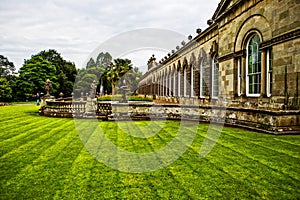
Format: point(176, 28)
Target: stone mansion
point(247, 60)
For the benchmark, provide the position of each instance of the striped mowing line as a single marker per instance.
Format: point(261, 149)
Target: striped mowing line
point(25, 137)
point(26, 154)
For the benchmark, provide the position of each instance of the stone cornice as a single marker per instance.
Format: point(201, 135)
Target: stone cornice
point(196, 40)
point(281, 38)
point(276, 40)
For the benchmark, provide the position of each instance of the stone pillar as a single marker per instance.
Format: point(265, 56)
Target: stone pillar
point(263, 91)
point(192, 82)
point(170, 84)
point(174, 82)
point(163, 86)
point(243, 81)
point(178, 83)
point(184, 81)
point(181, 82)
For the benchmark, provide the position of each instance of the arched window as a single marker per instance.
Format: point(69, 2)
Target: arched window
point(204, 77)
point(184, 81)
point(192, 80)
point(253, 68)
point(215, 78)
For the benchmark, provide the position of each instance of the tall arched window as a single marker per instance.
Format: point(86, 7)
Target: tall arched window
point(184, 81)
point(192, 80)
point(253, 68)
point(202, 77)
point(215, 78)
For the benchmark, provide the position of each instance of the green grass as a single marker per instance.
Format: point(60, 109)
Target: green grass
point(44, 158)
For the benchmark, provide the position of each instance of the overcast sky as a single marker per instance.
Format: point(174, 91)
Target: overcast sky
point(75, 28)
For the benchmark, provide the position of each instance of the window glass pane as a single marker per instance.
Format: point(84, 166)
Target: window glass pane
point(254, 65)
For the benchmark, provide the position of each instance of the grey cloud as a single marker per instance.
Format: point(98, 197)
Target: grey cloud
point(76, 27)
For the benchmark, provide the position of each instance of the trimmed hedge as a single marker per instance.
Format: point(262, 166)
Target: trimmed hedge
point(119, 97)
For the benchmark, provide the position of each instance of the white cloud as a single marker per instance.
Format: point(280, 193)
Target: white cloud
point(76, 28)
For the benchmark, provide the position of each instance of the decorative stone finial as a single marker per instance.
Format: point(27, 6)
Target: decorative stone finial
point(209, 22)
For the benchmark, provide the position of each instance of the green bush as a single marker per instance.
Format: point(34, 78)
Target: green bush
point(139, 98)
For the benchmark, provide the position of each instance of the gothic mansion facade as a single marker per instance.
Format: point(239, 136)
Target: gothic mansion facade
point(247, 60)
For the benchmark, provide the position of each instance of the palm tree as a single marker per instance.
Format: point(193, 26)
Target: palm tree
point(117, 70)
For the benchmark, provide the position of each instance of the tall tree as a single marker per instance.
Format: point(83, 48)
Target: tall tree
point(8, 75)
point(91, 63)
point(93, 71)
point(5, 90)
point(117, 70)
point(65, 70)
point(132, 78)
point(103, 59)
point(7, 68)
point(32, 77)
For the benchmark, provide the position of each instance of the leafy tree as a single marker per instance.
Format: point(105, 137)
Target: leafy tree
point(7, 68)
point(93, 71)
point(117, 70)
point(107, 74)
point(8, 72)
point(32, 77)
point(103, 59)
point(65, 71)
point(91, 63)
point(5, 90)
point(132, 78)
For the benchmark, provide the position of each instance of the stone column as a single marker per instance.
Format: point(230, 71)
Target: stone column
point(166, 84)
point(184, 82)
point(174, 82)
point(243, 81)
point(263, 73)
point(170, 84)
point(192, 81)
point(188, 81)
point(178, 83)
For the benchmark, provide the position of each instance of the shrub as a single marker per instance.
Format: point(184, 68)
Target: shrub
point(118, 97)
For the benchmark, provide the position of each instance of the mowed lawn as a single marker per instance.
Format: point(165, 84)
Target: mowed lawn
point(44, 158)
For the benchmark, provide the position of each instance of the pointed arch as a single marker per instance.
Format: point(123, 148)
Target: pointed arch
point(185, 81)
point(204, 74)
point(192, 75)
point(179, 78)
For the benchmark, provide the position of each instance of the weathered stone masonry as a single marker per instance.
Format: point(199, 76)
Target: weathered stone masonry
point(248, 57)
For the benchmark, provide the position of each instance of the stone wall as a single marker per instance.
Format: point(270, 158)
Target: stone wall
point(269, 121)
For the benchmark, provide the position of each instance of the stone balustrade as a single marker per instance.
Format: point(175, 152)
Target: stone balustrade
point(269, 121)
point(63, 109)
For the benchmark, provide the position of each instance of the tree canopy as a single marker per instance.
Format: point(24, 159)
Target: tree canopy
point(7, 68)
point(65, 71)
point(42, 66)
point(109, 75)
point(5, 90)
point(32, 77)
point(117, 70)
point(7, 78)
point(93, 71)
